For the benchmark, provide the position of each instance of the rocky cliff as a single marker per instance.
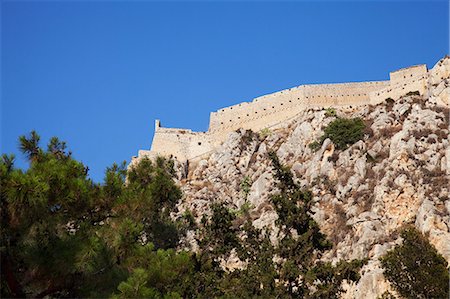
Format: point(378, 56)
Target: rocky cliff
point(398, 174)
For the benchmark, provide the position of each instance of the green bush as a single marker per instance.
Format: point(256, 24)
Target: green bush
point(315, 145)
point(264, 133)
point(245, 209)
point(343, 132)
point(415, 268)
point(188, 220)
point(245, 185)
point(330, 112)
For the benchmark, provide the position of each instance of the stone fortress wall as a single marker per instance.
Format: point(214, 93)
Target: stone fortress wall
point(268, 110)
point(271, 110)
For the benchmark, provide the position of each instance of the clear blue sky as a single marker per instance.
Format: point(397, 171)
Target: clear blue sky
point(97, 74)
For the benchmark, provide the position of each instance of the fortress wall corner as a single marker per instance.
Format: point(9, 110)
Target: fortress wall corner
point(402, 82)
point(181, 144)
point(157, 124)
point(408, 73)
point(214, 121)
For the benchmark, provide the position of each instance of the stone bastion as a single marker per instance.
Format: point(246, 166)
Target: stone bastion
point(274, 109)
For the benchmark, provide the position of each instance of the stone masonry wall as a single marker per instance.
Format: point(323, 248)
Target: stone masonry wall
point(266, 110)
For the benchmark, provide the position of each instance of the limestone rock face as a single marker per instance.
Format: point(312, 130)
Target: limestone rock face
point(398, 174)
point(371, 284)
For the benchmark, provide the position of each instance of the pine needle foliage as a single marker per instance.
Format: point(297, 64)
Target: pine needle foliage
point(64, 236)
point(415, 268)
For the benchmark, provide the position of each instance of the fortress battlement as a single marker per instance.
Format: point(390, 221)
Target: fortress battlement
point(273, 109)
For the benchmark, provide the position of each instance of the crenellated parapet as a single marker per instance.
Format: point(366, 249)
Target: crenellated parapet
point(274, 109)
